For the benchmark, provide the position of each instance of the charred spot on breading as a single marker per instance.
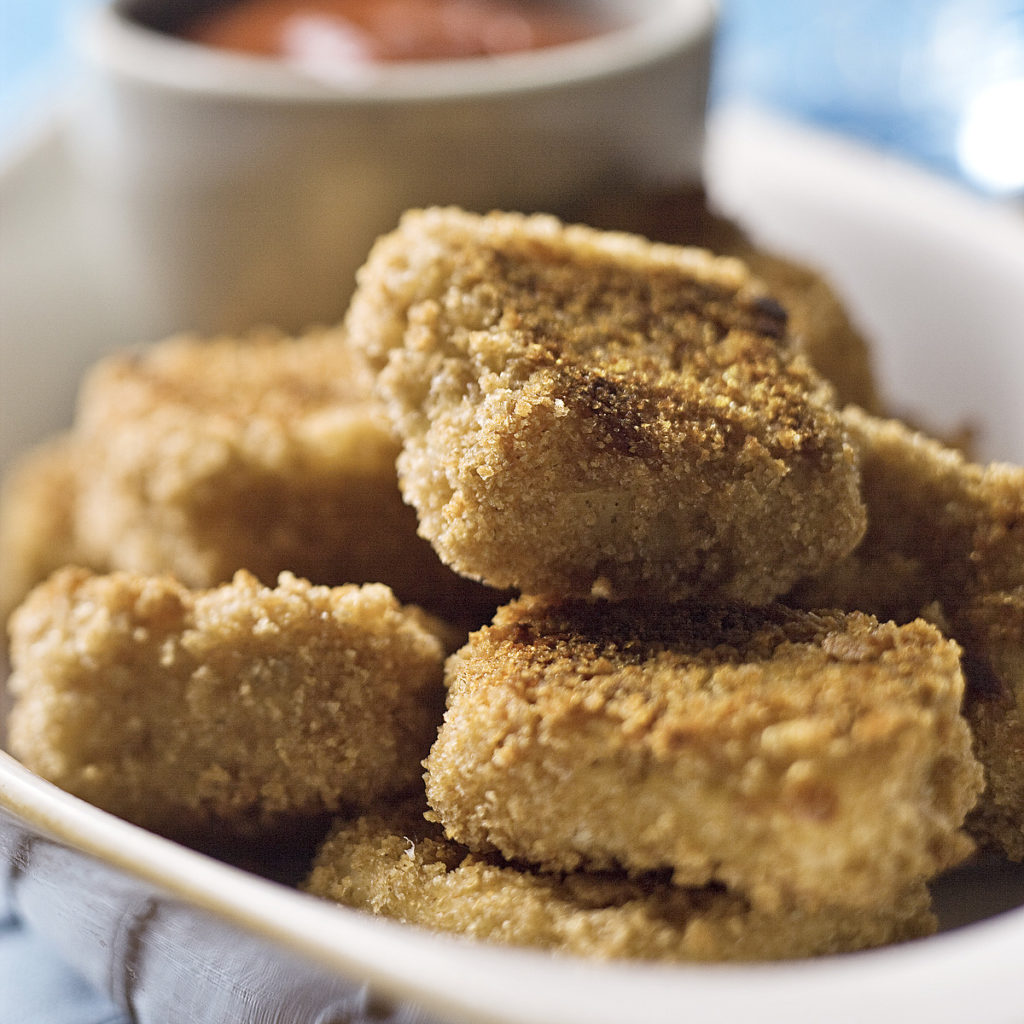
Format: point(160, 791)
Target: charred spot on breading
point(586, 413)
point(822, 328)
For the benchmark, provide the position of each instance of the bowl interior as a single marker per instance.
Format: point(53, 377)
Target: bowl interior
point(892, 240)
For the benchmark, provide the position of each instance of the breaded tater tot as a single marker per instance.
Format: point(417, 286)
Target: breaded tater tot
point(587, 413)
point(801, 759)
point(224, 712)
point(394, 864)
point(199, 457)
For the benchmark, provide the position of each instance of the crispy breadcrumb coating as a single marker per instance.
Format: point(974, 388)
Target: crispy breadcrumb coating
point(991, 629)
point(588, 413)
point(808, 759)
point(818, 321)
point(945, 539)
point(948, 528)
point(394, 864)
point(37, 528)
point(199, 457)
point(221, 712)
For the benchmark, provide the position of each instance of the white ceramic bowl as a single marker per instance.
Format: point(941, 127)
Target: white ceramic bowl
point(934, 275)
point(241, 189)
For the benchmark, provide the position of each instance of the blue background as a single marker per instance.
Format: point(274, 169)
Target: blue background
point(940, 82)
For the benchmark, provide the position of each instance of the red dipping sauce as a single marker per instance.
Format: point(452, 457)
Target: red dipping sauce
point(370, 31)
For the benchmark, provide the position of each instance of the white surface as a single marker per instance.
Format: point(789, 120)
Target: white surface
point(938, 279)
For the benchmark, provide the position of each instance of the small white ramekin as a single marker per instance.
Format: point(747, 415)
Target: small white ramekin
point(241, 190)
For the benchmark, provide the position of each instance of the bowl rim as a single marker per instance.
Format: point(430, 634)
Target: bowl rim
point(450, 974)
point(666, 31)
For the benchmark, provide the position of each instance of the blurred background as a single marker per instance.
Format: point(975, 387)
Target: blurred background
point(940, 82)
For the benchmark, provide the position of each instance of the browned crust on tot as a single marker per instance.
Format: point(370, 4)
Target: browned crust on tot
point(225, 711)
point(954, 528)
point(586, 412)
point(799, 758)
point(820, 324)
